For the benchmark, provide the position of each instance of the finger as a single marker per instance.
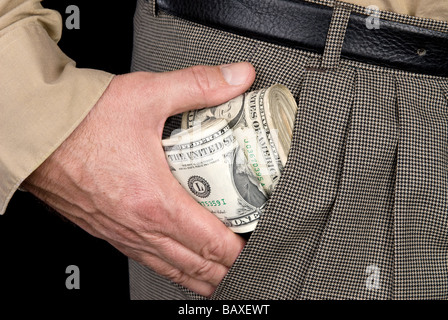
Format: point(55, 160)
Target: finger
point(168, 271)
point(199, 230)
point(161, 267)
point(183, 259)
point(189, 262)
point(163, 246)
point(203, 86)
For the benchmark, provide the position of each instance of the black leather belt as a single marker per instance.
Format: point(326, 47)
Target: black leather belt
point(304, 25)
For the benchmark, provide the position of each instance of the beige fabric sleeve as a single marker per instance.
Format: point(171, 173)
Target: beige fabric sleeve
point(432, 9)
point(43, 96)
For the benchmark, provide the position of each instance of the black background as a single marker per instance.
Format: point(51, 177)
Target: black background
point(37, 244)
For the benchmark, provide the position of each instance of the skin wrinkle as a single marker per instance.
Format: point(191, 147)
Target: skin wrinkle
point(129, 197)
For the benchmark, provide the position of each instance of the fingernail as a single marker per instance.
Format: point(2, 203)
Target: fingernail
point(235, 74)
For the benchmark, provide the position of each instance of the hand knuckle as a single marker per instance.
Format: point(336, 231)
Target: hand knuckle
point(205, 271)
point(214, 250)
point(177, 276)
point(146, 208)
point(201, 81)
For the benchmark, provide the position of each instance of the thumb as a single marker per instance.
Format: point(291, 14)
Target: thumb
point(203, 86)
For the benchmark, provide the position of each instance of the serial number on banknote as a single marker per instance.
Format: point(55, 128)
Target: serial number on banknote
point(213, 203)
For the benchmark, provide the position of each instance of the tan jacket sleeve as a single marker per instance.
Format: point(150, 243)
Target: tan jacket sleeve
point(431, 9)
point(43, 96)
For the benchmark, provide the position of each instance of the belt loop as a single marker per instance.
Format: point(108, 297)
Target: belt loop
point(152, 7)
point(335, 36)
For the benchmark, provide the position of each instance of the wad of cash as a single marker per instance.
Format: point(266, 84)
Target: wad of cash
point(230, 157)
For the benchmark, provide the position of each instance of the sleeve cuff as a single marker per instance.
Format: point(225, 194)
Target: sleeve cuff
point(43, 98)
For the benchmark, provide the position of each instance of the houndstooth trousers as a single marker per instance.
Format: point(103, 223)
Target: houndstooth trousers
point(361, 209)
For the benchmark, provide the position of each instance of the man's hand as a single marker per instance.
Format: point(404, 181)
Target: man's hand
point(111, 178)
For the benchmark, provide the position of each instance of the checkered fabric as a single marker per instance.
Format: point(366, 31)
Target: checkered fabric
point(335, 39)
point(361, 209)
